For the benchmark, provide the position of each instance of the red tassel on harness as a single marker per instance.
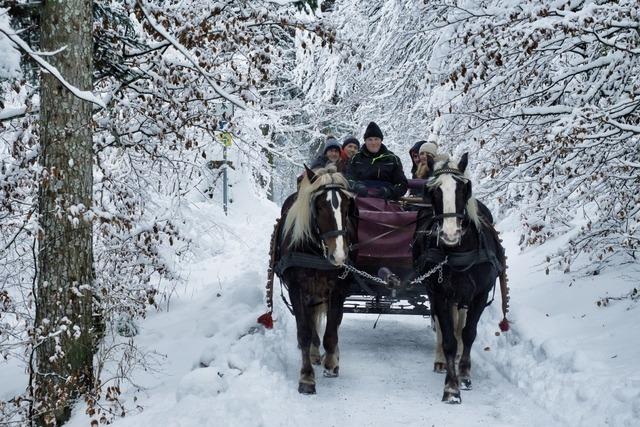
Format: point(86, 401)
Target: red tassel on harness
point(266, 320)
point(504, 324)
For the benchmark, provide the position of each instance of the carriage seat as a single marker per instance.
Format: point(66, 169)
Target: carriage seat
point(379, 216)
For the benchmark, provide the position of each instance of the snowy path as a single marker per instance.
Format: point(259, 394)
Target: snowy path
point(387, 379)
point(386, 376)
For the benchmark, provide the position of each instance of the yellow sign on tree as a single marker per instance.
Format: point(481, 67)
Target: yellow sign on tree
point(226, 139)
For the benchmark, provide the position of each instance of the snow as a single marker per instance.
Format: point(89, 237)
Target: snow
point(566, 361)
point(86, 95)
point(216, 87)
point(9, 55)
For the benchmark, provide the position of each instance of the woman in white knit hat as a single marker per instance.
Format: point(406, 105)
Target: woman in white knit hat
point(427, 150)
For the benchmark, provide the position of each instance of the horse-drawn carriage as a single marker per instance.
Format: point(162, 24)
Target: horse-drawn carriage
point(383, 280)
point(336, 253)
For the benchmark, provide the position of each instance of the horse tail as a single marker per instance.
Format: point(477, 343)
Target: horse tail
point(504, 287)
point(267, 319)
point(504, 291)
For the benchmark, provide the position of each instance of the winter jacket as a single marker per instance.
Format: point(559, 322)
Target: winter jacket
point(381, 171)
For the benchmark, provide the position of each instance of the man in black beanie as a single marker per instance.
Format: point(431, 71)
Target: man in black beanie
point(375, 171)
point(373, 130)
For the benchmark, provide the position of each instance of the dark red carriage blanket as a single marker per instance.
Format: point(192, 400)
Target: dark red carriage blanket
point(385, 231)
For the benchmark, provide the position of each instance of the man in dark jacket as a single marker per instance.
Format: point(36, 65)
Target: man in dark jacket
point(376, 171)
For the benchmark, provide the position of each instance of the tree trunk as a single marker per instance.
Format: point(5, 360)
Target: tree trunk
point(65, 333)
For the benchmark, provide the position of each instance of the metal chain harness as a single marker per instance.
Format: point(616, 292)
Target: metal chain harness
point(351, 269)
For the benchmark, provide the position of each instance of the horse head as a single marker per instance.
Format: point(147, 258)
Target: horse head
point(323, 214)
point(449, 192)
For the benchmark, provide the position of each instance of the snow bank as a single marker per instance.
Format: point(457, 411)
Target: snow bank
point(211, 360)
point(573, 357)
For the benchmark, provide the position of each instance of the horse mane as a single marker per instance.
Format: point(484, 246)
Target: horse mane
point(436, 181)
point(298, 220)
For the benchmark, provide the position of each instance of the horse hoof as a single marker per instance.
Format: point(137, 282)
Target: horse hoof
point(331, 373)
point(465, 384)
point(316, 360)
point(304, 388)
point(451, 397)
point(439, 368)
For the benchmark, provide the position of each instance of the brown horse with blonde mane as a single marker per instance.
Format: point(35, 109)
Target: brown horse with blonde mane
point(314, 244)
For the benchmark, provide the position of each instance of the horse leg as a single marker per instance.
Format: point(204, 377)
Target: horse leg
point(439, 364)
point(330, 341)
point(303, 313)
point(468, 337)
point(307, 381)
point(459, 321)
point(314, 351)
point(315, 355)
point(449, 347)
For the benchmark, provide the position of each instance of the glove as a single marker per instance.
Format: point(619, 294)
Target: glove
point(385, 193)
point(360, 189)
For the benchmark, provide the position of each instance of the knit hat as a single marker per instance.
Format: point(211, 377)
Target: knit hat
point(429, 148)
point(350, 140)
point(416, 147)
point(373, 130)
point(330, 143)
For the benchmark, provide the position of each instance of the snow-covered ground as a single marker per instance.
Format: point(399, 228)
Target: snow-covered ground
point(565, 361)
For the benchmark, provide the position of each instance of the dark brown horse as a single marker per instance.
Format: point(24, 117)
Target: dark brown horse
point(453, 229)
point(316, 236)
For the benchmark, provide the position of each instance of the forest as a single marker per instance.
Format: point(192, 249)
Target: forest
point(112, 122)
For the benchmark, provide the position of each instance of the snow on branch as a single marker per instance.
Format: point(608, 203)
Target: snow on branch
point(543, 111)
point(85, 95)
point(9, 113)
point(625, 127)
point(180, 48)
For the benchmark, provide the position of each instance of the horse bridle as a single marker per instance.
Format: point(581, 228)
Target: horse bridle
point(334, 188)
point(450, 171)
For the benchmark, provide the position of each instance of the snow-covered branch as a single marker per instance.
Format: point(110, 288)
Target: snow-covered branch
point(180, 48)
point(85, 95)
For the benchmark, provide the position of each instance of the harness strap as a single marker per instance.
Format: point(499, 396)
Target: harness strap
point(460, 261)
point(286, 303)
point(448, 215)
point(300, 259)
point(493, 296)
point(334, 233)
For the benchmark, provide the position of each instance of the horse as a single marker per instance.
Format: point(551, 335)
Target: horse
point(454, 232)
point(316, 237)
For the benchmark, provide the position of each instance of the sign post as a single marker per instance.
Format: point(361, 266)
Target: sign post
point(225, 112)
point(226, 140)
